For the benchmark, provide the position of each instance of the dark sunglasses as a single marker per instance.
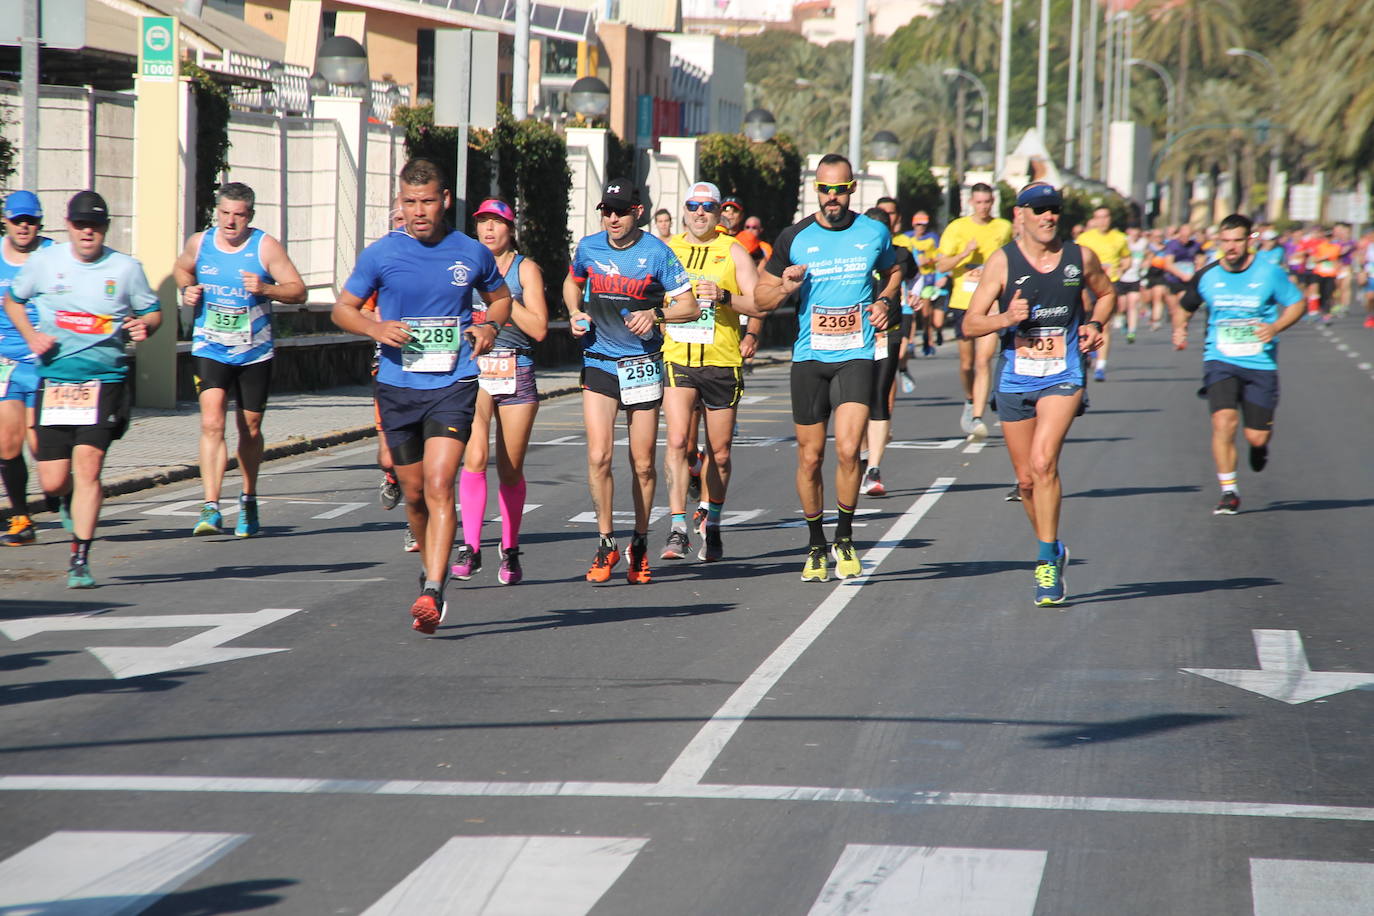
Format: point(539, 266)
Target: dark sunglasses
point(1051, 209)
point(710, 206)
point(919, 225)
point(615, 211)
point(835, 189)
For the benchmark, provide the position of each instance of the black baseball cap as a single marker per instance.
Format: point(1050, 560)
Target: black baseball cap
point(732, 201)
point(88, 207)
point(618, 194)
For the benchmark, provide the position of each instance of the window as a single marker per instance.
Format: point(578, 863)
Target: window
point(424, 64)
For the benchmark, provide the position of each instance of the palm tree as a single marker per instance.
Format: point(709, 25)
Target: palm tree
point(1187, 32)
point(1332, 59)
point(1232, 149)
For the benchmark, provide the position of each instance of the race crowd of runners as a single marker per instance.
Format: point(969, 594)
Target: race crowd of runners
point(668, 310)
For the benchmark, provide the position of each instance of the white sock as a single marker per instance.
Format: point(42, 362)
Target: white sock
point(1228, 483)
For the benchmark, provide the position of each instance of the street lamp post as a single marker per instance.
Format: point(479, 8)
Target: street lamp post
point(982, 93)
point(1003, 92)
point(1168, 81)
point(760, 125)
point(1271, 203)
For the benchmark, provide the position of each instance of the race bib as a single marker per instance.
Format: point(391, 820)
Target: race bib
point(971, 278)
point(1185, 268)
point(641, 378)
point(228, 325)
point(70, 405)
point(880, 346)
point(1236, 337)
point(700, 331)
point(433, 345)
point(498, 371)
point(6, 370)
point(836, 328)
point(1040, 352)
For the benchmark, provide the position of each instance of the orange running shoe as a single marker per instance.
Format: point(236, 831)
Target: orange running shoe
point(606, 559)
point(429, 610)
point(638, 573)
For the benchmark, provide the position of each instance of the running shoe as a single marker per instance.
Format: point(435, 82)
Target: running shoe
point(908, 385)
point(1099, 375)
point(1049, 584)
point(978, 430)
point(247, 525)
point(966, 418)
point(1014, 494)
point(927, 350)
point(815, 569)
point(510, 572)
point(1130, 337)
point(21, 532)
point(1369, 322)
point(1229, 505)
point(712, 548)
point(389, 493)
point(1259, 457)
point(209, 522)
point(466, 562)
point(638, 573)
point(677, 547)
point(699, 521)
point(429, 610)
point(847, 564)
point(408, 543)
point(694, 476)
point(79, 575)
point(872, 484)
point(606, 559)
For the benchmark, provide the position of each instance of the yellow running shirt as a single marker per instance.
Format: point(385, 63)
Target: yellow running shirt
point(990, 236)
point(712, 340)
point(1110, 247)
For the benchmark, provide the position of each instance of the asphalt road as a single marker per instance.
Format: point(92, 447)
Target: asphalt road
point(229, 726)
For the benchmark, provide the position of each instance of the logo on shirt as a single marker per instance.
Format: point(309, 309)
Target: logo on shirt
point(643, 261)
point(813, 249)
point(1071, 271)
point(861, 245)
point(460, 273)
point(1254, 285)
point(609, 270)
point(209, 270)
point(1022, 279)
point(110, 288)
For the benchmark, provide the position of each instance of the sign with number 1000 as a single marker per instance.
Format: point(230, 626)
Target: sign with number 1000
point(157, 51)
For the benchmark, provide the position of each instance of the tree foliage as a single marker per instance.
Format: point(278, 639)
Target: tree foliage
point(765, 176)
point(212, 139)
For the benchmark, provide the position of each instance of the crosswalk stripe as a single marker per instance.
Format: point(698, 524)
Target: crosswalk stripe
point(512, 876)
point(103, 873)
point(1296, 887)
point(951, 881)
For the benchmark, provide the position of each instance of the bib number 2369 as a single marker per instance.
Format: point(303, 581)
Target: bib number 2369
point(836, 328)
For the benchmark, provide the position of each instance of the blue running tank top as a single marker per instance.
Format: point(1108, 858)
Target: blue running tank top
point(1042, 351)
point(232, 326)
point(510, 335)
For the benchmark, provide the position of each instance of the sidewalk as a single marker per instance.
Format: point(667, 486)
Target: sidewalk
point(163, 446)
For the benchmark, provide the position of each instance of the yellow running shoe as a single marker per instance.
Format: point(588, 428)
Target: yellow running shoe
point(847, 564)
point(815, 568)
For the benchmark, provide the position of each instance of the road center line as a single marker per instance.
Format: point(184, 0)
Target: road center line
point(691, 765)
point(895, 797)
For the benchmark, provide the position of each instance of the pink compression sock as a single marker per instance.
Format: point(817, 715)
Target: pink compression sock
point(512, 499)
point(472, 496)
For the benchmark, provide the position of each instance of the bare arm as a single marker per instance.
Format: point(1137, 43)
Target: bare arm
point(483, 336)
point(184, 271)
point(944, 263)
point(1090, 338)
point(37, 342)
point(979, 320)
point(288, 288)
point(532, 314)
point(748, 280)
point(348, 315)
point(772, 290)
point(579, 321)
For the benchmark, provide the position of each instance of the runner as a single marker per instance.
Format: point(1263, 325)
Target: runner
point(1114, 254)
point(887, 349)
point(703, 364)
point(1039, 281)
point(427, 381)
point(23, 218)
point(731, 215)
point(663, 224)
point(1128, 288)
point(1249, 303)
point(1155, 283)
point(924, 293)
point(1179, 264)
point(829, 259)
point(89, 300)
point(1366, 263)
point(965, 246)
point(508, 392)
point(231, 274)
point(615, 290)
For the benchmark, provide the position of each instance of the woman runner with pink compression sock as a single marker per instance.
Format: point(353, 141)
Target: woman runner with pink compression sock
point(508, 391)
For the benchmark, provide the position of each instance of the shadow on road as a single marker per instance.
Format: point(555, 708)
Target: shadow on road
point(1315, 505)
point(1126, 729)
point(17, 610)
point(235, 572)
point(14, 694)
point(235, 897)
point(579, 617)
point(1133, 590)
point(1130, 491)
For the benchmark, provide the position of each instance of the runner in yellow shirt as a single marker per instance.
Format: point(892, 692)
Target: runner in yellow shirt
point(964, 247)
point(1114, 251)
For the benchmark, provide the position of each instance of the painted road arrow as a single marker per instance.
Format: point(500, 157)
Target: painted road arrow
point(1284, 673)
point(139, 661)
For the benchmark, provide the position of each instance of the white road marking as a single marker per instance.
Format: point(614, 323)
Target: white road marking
point(512, 876)
point(830, 520)
point(1365, 366)
point(1291, 887)
point(930, 444)
point(899, 880)
point(974, 448)
point(658, 513)
point(692, 764)
point(1284, 673)
point(562, 440)
point(191, 508)
point(343, 509)
point(80, 873)
point(896, 796)
point(138, 661)
point(753, 399)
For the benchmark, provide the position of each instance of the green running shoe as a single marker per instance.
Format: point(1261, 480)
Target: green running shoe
point(247, 525)
point(210, 520)
point(79, 576)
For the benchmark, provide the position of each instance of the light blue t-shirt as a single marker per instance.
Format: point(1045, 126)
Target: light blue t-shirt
point(840, 265)
point(430, 288)
point(12, 344)
point(84, 304)
point(1236, 302)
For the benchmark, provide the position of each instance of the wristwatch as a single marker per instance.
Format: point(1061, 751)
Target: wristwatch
point(724, 297)
point(1098, 323)
point(658, 313)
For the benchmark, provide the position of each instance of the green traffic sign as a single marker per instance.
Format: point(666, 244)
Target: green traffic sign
point(157, 51)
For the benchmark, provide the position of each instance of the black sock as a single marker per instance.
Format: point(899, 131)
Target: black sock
point(15, 474)
point(81, 550)
point(844, 522)
point(639, 541)
point(51, 503)
point(816, 530)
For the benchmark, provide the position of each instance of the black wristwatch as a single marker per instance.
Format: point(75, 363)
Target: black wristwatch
point(493, 325)
point(658, 313)
point(725, 297)
point(1098, 323)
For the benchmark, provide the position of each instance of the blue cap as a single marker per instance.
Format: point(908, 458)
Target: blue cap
point(1039, 195)
point(23, 203)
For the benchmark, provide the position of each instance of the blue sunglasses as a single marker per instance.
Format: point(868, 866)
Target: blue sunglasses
point(710, 206)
